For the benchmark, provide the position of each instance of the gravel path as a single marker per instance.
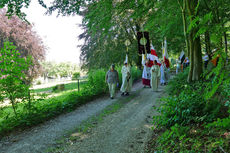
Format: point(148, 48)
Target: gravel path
point(127, 130)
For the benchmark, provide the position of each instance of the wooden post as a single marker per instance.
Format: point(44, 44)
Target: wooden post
point(78, 84)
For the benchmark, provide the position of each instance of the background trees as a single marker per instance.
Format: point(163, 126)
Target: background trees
point(24, 38)
point(109, 23)
point(64, 69)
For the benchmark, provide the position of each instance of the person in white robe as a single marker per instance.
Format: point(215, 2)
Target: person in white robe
point(146, 75)
point(126, 79)
point(162, 69)
point(178, 66)
point(155, 76)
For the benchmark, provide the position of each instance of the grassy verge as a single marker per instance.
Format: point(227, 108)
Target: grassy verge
point(68, 86)
point(191, 122)
point(42, 109)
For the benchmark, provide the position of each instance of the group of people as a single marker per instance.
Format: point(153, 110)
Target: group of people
point(112, 79)
point(155, 73)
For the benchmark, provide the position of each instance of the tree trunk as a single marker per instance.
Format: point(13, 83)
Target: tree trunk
point(207, 44)
point(226, 45)
point(196, 68)
point(12, 100)
point(183, 9)
point(185, 28)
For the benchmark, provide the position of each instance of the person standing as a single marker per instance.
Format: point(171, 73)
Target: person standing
point(126, 79)
point(155, 75)
point(177, 66)
point(112, 80)
point(162, 69)
point(206, 60)
point(146, 75)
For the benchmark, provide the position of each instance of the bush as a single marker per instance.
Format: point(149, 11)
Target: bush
point(76, 76)
point(44, 109)
point(195, 116)
point(178, 83)
point(59, 87)
point(38, 82)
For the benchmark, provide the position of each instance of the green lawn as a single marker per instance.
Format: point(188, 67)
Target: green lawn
point(68, 86)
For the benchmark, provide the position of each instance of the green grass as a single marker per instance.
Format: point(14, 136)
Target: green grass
point(44, 108)
point(68, 86)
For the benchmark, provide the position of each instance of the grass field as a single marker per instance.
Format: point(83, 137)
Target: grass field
point(68, 86)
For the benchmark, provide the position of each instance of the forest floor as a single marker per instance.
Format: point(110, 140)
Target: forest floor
point(126, 127)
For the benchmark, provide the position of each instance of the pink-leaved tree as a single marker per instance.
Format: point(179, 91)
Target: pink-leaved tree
point(25, 39)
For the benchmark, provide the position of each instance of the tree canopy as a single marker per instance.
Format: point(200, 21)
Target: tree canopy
point(191, 25)
point(24, 38)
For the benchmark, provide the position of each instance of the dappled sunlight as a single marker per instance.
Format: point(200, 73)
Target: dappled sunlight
point(79, 135)
point(148, 126)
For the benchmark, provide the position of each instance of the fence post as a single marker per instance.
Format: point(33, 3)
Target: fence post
point(78, 85)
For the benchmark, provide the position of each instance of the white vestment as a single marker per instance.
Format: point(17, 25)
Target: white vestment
point(155, 75)
point(126, 79)
point(162, 80)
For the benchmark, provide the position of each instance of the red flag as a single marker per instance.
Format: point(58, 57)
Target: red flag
point(154, 56)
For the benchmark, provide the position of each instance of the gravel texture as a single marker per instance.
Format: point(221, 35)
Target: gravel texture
point(127, 130)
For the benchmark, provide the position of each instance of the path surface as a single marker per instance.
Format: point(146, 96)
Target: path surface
point(127, 130)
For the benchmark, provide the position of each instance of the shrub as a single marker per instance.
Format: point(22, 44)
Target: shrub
point(195, 116)
point(38, 82)
point(76, 75)
point(13, 67)
point(44, 109)
point(59, 87)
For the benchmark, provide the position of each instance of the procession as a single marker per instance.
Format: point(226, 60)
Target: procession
point(155, 71)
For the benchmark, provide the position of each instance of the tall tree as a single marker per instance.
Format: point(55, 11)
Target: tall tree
point(24, 38)
point(196, 68)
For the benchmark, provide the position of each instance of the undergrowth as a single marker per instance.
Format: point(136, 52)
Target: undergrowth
point(195, 116)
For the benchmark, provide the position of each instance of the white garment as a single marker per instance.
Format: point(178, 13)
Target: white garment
point(146, 71)
point(162, 80)
point(126, 79)
point(177, 67)
point(155, 75)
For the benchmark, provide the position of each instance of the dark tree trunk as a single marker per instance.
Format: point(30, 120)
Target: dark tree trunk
point(208, 44)
point(226, 45)
point(196, 68)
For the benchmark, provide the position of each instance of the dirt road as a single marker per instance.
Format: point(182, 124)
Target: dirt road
point(126, 130)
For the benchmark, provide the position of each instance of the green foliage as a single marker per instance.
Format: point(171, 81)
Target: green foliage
point(189, 107)
point(76, 75)
point(193, 121)
point(68, 86)
point(191, 139)
point(218, 75)
point(12, 77)
point(52, 69)
point(43, 109)
point(178, 83)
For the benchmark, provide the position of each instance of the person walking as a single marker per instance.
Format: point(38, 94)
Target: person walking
point(112, 79)
point(177, 66)
point(146, 75)
point(126, 79)
point(162, 68)
point(206, 60)
point(155, 75)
